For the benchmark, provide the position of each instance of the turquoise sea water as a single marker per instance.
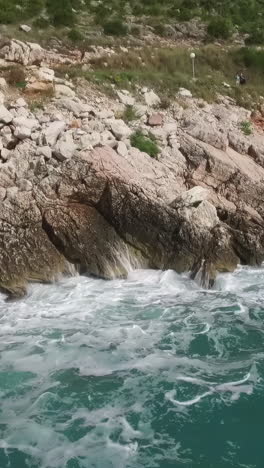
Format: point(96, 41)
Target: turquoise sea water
point(150, 372)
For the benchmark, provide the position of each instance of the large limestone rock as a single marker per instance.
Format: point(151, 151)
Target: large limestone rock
point(198, 208)
point(5, 116)
point(62, 90)
point(65, 147)
point(24, 127)
point(126, 98)
point(120, 130)
point(53, 131)
point(151, 99)
point(24, 53)
point(208, 135)
point(191, 198)
point(75, 106)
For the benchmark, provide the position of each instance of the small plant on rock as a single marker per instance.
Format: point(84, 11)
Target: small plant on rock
point(129, 114)
point(145, 144)
point(246, 127)
point(16, 77)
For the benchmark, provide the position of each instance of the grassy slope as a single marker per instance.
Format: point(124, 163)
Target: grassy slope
point(167, 69)
point(161, 68)
point(244, 15)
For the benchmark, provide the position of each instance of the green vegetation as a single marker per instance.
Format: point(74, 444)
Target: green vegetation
point(145, 144)
point(115, 28)
point(166, 70)
point(246, 127)
point(15, 76)
point(220, 28)
point(61, 12)
point(75, 36)
point(114, 16)
point(129, 114)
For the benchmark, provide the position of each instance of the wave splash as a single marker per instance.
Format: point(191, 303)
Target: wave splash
point(148, 371)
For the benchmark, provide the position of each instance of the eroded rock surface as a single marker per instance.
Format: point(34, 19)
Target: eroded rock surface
point(74, 193)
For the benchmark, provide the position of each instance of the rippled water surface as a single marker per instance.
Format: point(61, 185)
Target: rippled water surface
point(145, 372)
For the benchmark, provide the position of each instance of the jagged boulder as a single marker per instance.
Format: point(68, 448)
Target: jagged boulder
point(24, 53)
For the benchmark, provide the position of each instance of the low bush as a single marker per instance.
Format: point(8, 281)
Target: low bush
point(160, 30)
point(41, 23)
point(61, 12)
point(16, 77)
point(75, 36)
point(246, 127)
point(129, 114)
point(144, 144)
point(256, 37)
point(115, 28)
point(220, 28)
point(8, 12)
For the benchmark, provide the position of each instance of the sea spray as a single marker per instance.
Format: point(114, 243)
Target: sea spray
point(147, 371)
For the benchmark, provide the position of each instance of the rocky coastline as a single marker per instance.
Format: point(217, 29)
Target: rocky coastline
point(75, 195)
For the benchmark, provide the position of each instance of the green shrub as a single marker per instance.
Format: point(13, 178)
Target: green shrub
point(41, 23)
point(159, 29)
point(34, 8)
point(75, 35)
point(61, 12)
point(165, 103)
point(246, 127)
point(115, 28)
point(129, 114)
point(16, 77)
point(144, 144)
point(135, 31)
point(220, 28)
point(8, 12)
point(256, 37)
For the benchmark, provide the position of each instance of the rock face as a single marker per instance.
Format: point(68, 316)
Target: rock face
point(75, 194)
point(24, 53)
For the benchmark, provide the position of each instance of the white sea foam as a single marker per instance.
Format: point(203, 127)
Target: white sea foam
point(91, 370)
